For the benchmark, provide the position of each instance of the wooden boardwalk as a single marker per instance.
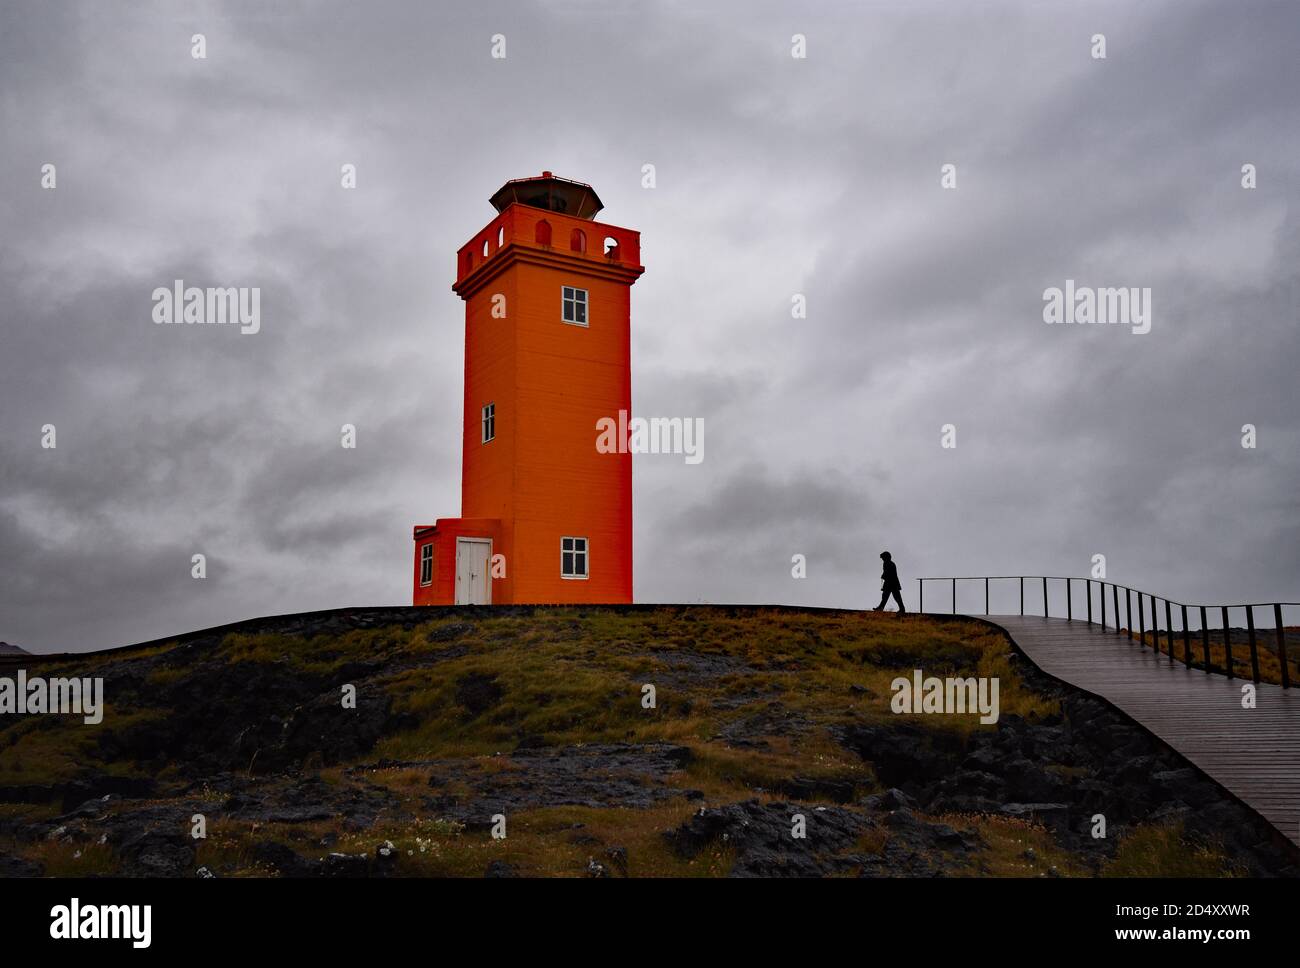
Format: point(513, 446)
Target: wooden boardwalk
point(1254, 753)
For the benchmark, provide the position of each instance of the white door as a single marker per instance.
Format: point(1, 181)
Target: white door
point(473, 574)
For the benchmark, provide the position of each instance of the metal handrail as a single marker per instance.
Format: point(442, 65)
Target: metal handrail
point(1142, 598)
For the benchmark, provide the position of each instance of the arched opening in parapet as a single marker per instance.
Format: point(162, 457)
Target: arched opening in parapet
point(578, 241)
point(543, 232)
point(611, 247)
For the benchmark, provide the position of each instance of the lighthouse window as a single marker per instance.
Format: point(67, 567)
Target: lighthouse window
point(574, 305)
point(489, 422)
point(573, 557)
point(426, 564)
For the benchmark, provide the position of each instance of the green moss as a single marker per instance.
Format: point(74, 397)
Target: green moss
point(1162, 850)
point(55, 749)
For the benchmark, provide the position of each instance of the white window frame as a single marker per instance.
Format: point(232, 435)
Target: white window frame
point(567, 301)
point(426, 564)
point(585, 553)
point(489, 422)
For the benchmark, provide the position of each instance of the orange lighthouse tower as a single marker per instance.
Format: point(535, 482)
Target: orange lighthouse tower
point(545, 516)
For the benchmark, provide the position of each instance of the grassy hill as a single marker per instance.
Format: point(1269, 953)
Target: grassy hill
point(537, 715)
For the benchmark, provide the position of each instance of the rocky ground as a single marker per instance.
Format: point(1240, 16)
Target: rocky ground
point(534, 719)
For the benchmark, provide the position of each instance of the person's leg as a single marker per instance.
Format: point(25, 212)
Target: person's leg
point(898, 597)
point(884, 597)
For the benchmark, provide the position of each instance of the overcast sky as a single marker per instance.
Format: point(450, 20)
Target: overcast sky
point(775, 176)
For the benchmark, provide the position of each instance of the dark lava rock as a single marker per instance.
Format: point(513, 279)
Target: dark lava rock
point(904, 755)
point(891, 799)
point(751, 732)
point(684, 670)
point(924, 833)
point(17, 867)
point(499, 868)
point(1186, 785)
point(284, 859)
point(1054, 814)
point(308, 799)
point(760, 835)
point(322, 726)
point(267, 718)
point(157, 853)
point(345, 865)
point(811, 788)
point(1025, 779)
point(618, 859)
point(597, 775)
point(74, 793)
point(919, 848)
point(386, 857)
point(478, 693)
point(445, 633)
point(91, 808)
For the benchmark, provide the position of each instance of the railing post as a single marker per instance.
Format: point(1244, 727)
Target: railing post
point(1142, 622)
point(1254, 653)
point(1102, 596)
point(1022, 594)
point(1169, 629)
point(920, 595)
point(1069, 599)
point(954, 596)
point(1155, 626)
point(1281, 646)
point(1227, 642)
point(986, 596)
point(1044, 596)
point(1187, 641)
point(1128, 610)
point(1205, 640)
point(1114, 592)
point(1089, 589)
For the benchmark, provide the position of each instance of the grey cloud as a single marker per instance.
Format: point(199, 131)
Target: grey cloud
point(775, 176)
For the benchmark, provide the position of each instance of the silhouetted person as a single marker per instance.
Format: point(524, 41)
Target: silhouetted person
point(890, 585)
